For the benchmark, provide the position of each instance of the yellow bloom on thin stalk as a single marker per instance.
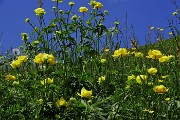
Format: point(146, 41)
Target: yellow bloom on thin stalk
point(22, 58)
point(71, 3)
point(39, 11)
point(15, 63)
point(85, 93)
point(102, 78)
point(61, 102)
point(121, 52)
point(154, 54)
point(103, 60)
point(83, 9)
point(141, 77)
point(152, 71)
point(98, 5)
point(25, 36)
point(47, 81)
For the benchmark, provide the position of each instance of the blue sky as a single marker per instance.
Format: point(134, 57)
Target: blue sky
point(141, 14)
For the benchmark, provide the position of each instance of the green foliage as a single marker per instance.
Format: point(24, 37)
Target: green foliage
point(66, 56)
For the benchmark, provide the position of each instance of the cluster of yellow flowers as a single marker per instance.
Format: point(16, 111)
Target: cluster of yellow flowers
point(156, 54)
point(10, 77)
point(121, 52)
point(17, 63)
point(84, 94)
point(43, 57)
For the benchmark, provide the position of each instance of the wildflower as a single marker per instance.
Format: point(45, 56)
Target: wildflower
point(15, 63)
point(83, 9)
point(74, 17)
point(121, 52)
point(152, 71)
point(85, 93)
point(131, 77)
point(22, 58)
point(25, 36)
point(106, 50)
point(10, 77)
point(51, 59)
point(174, 13)
point(57, 1)
point(103, 60)
point(167, 99)
point(138, 54)
point(151, 28)
point(16, 51)
point(42, 57)
point(92, 2)
point(160, 89)
point(61, 102)
point(160, 81)
point(154, 54)
point(48, 81)
point(116, 23)
point(98, 5)
point(39, 11)
point(102, 78)
point(27, 20)
point(141, 77)
point(71, 3)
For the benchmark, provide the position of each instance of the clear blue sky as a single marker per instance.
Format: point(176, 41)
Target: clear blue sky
point(141, 14)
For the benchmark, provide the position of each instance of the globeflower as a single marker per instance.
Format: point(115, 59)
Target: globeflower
point(83, 9)
point(131, 77)
point(42, 57)
point(160, 89)
point(22, 58)
point(47, 81)
point(121, 52)
point(102, 78)
point(25, 36)
point(98, 5)
point(154, 54)
point(152, 71)
point(10, 77)
point(39, 11)
point(61, 102)
point(15, 63)
point(141, 77)
point(164, 59)
point(85, 93)
point(71, 3)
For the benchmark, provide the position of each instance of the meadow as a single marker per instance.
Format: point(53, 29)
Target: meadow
point(76, 68)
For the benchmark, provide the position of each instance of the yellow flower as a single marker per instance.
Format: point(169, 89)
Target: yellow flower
point(51, 59)
point(83, 9)
point(74, 17)
point(152, 71)
point(42, 57)
point(103, 60)
point(48, 81)
point(165, 76)
point(141, 77)
point(10, 77)
point(154, 54)
point(138, 54)
point(131, 77)
point(167, 99)
point(149, 111)
point(71, 3)
point(15, 83)
point(98, 5)
point(164, 59)
point(15, 63)
point(92, 2)
point(102, 78)
point(121, 52)
point(160, 81)
point(39, 11)
point(22, 58)
point(106, 50)
point(160, 89)
point(25, 36)
point(85, 93)
point(61, 102)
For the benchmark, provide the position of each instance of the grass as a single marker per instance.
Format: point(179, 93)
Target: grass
point(72, 69)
